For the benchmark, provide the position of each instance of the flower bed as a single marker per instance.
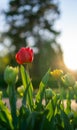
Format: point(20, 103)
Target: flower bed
point(33, 113)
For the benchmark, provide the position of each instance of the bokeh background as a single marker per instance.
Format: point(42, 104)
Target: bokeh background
point(48, 26)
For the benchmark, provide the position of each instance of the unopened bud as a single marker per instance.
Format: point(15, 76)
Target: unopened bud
point(71, 115)
point(68, 79)
point(20, 90)
point(11, 74)
point(48, 93)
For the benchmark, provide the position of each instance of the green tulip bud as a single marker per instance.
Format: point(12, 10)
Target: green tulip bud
point(71, 115)
point(11, 74)
point(68, 80)
point(48, 93)
point(20, 90)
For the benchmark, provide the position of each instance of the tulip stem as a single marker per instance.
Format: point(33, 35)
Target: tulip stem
point(27, 68)
point(12, 101)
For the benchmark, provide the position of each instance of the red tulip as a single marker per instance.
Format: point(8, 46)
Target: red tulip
point(24, 55)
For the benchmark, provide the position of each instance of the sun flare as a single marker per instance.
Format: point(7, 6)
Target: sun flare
point(71, 60)
point(69, 46)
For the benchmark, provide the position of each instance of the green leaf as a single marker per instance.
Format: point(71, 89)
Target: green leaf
point(22, 118)
point(66, 121)
point(28, 94)
point(48, 125)
point(40, 94)
point(50, 110)
point(68, 106)
point(5, 116)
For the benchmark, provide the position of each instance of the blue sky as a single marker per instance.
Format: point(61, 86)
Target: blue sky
point(68, 26)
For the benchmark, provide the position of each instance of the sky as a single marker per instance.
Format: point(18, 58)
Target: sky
point(67, 24)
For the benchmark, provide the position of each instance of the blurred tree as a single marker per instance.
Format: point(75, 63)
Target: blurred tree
point(49, 55)
point(31, 19)
point(31, 22)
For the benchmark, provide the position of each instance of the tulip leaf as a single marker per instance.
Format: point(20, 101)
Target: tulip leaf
point(28, 93)
point(65, 119)
point(40, 94)
point(5, 116)
point(50, 109)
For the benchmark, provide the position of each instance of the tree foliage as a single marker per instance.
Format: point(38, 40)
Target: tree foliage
point(31, 18)
point(32, 22)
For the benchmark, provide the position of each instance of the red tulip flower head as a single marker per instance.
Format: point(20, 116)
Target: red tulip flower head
point(24, 55)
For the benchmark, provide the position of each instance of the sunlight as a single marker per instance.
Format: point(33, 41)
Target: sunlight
point(68, 42)
point(70, 59)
